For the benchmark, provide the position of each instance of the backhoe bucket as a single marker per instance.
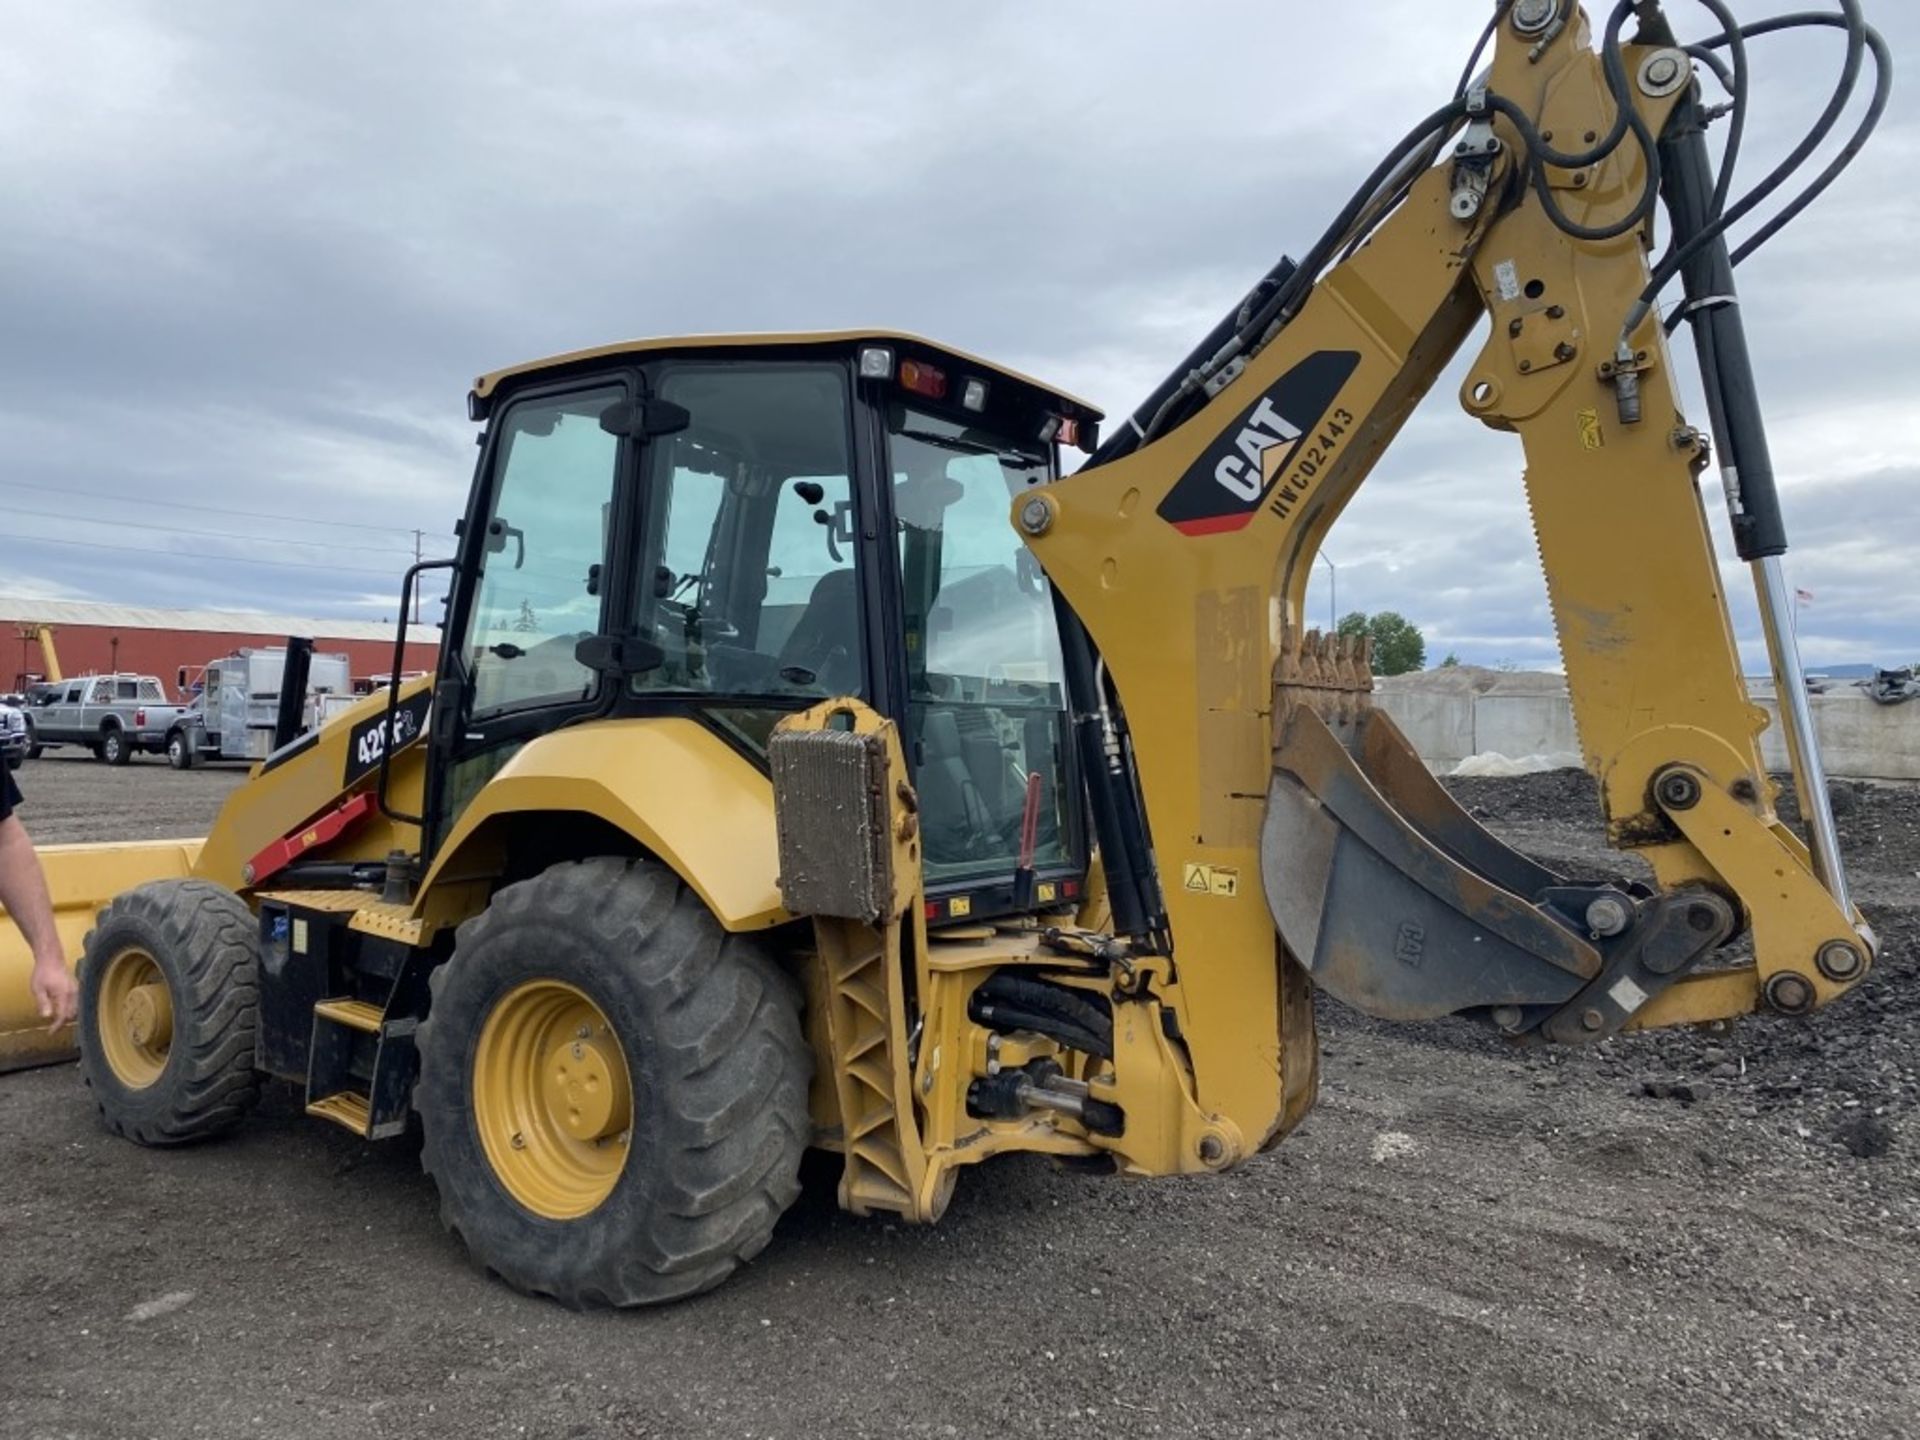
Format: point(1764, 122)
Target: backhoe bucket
point(83, 879)
point(1402, 906)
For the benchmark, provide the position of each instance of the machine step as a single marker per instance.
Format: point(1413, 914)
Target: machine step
point(348, 1108)
point(354, 1014)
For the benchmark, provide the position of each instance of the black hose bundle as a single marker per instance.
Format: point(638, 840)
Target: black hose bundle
point(1008, 1000)
point(1272, 305)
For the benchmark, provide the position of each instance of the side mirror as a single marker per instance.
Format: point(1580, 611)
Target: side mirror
point(619, 656)
point(643, 419)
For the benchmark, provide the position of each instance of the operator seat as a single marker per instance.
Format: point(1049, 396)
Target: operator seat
point(826, 637)
point(954, 816)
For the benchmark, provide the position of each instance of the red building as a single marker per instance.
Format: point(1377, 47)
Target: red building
point(89, 638)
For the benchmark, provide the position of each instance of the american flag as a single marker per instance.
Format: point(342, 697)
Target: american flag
point(1805, 597)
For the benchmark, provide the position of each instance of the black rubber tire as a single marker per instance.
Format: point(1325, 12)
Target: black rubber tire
point(207, 943)
point(33, 743)
point(710, 1027)
point(179, 750)
point(115, 748)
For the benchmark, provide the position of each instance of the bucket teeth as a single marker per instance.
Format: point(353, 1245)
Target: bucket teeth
point(1331, 673)
point(1312, 674)
point(1286, 669)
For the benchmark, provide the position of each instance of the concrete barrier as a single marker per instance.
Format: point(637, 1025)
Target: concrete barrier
point(1438, 723)
point(1516, 725)
point(1859, 740)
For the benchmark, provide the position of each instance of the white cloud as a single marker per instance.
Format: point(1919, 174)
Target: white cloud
point(255, 255)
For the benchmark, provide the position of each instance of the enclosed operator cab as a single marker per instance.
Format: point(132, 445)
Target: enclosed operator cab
point(753, 524)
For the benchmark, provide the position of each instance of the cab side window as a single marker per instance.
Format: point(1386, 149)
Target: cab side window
point(747, 582)
point(546, 543)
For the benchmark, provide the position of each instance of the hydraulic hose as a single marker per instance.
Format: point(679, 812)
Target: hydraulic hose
point(1718, 222)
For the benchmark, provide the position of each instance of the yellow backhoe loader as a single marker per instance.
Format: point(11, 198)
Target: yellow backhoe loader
point(811, 762)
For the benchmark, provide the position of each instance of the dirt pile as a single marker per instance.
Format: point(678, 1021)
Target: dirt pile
point(1849, 1076)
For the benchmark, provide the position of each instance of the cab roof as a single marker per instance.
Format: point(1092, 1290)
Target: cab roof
point(487, 384)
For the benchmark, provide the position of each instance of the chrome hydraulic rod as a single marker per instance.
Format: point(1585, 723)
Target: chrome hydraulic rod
point(1746, 467)
point(1796, 722)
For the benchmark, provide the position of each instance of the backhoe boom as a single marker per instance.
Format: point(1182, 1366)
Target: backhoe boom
point(1185, 548)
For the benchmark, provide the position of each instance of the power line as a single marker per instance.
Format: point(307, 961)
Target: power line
point(208, 509)
point(182, 529)
point(392, 574)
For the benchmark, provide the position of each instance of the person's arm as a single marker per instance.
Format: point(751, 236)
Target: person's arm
point(23, 890)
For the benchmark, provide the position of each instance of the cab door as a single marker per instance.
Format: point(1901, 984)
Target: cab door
point(61, 717)
point(98, 700)
point(538, 569)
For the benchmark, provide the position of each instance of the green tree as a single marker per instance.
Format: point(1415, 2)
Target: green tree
point(1398, 645)
point(1451, 661)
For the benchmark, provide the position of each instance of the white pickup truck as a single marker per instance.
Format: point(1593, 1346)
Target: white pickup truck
point(112, 715)
point(13, 731)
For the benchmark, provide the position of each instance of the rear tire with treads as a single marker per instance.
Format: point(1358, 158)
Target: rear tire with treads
point(701, 1027)
point(199, 944)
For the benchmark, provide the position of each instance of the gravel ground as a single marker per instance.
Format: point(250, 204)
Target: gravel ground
point(71, 796)
point(1464, 1240)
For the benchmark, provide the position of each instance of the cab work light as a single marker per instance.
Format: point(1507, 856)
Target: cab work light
point(973, 395)
point(876, 363)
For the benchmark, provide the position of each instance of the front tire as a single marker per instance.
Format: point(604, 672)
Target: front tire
point(169, 1003)
point(179, 751)
point(613, 1090)
point(114, 748)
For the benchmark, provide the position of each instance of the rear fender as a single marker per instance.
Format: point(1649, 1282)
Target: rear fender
point(679, 791)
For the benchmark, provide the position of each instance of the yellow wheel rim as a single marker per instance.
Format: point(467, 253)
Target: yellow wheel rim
point(552, 1099)
point(135, 1016)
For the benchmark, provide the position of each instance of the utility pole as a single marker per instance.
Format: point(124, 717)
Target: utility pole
point(1333, 593)
point(418, 537)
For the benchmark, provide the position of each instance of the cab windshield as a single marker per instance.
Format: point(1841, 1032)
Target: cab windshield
point(986, 708)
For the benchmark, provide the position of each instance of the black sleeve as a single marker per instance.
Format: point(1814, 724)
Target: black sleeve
point(9, 792)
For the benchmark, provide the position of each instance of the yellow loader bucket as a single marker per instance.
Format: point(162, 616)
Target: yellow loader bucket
point(82, 879)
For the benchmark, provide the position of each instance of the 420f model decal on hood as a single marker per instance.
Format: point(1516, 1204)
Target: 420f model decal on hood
point(1254, 455)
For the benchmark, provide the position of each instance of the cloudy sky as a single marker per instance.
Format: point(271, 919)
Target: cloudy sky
point(254, 253)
